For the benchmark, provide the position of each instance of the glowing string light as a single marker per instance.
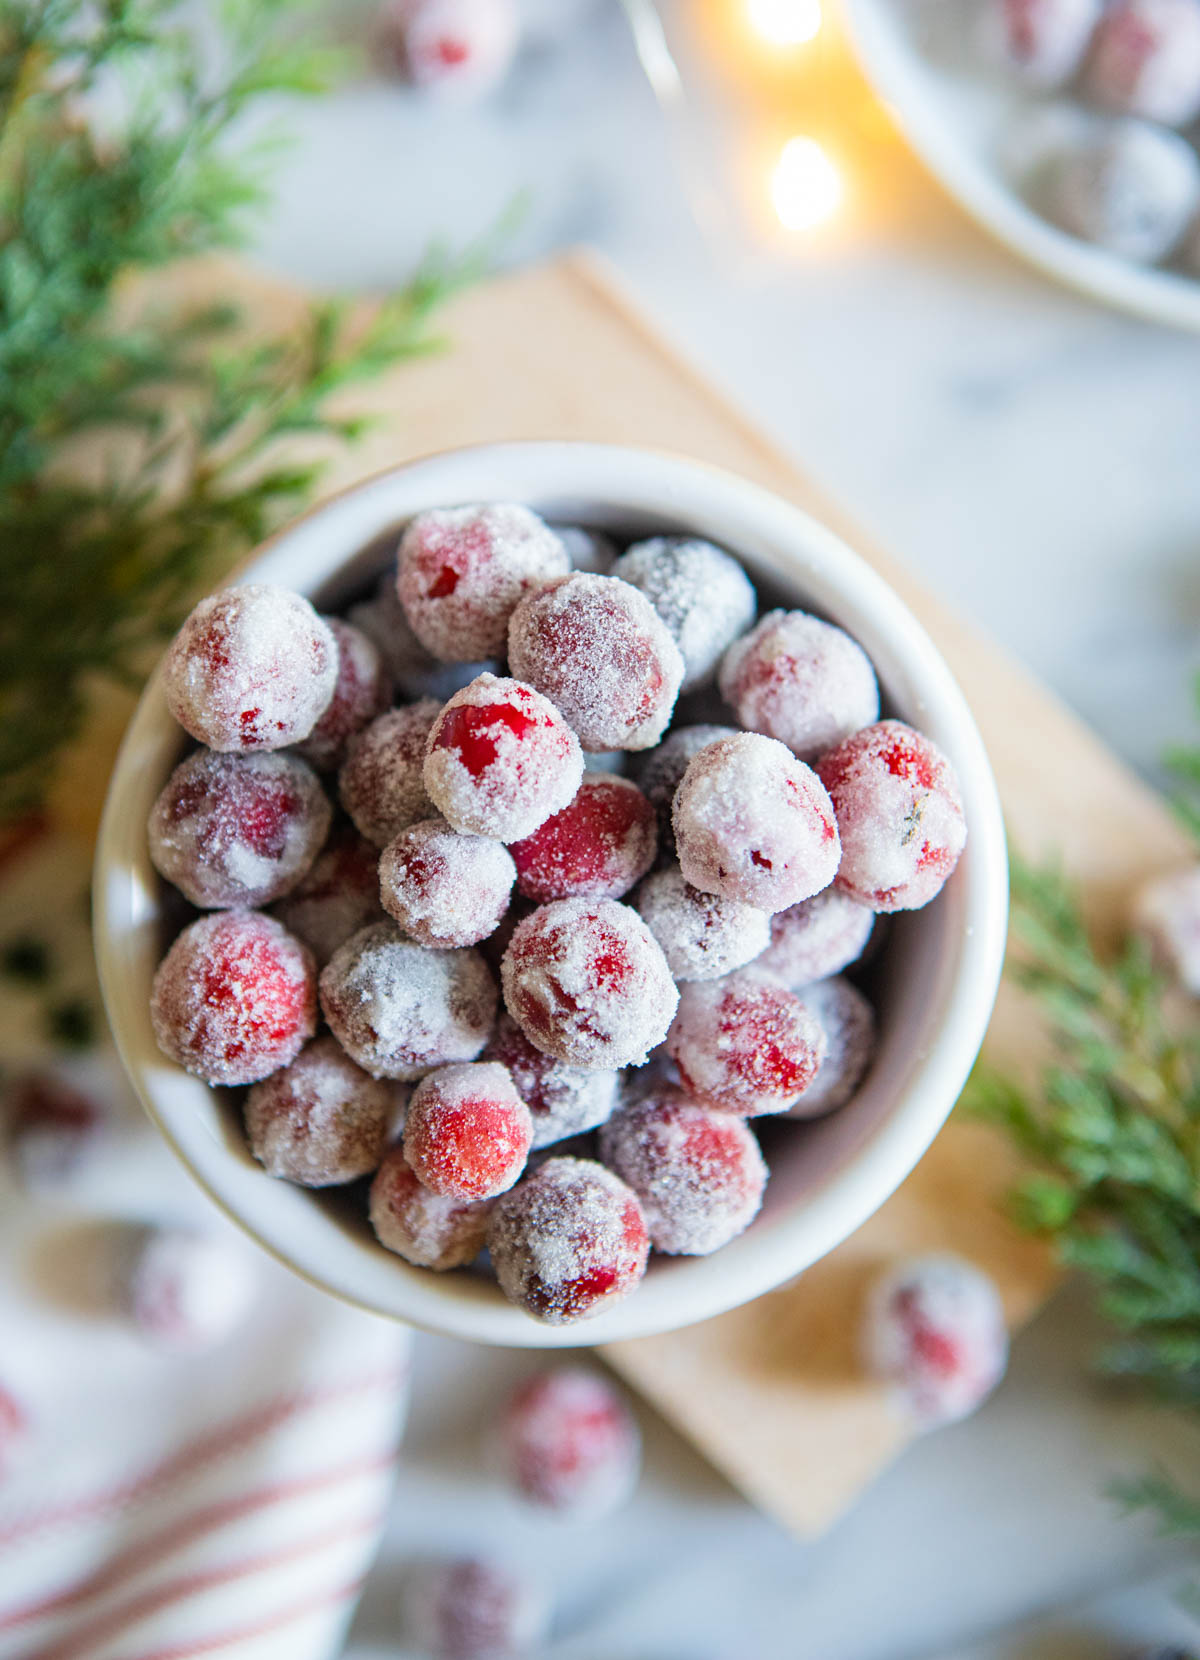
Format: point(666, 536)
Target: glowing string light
point(784, 22)
point(806, 187)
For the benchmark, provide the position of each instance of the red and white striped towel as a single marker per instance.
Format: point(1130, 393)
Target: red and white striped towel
point(163, 1506)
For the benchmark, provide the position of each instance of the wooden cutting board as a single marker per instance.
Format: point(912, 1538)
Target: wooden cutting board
point(770, 1393)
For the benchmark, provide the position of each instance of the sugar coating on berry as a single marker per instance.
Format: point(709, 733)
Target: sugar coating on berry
point(50, 1128)
point(442, 888)
point(381, 782)
point(847, 1021)
point(400, 1010)
point(568, 1443)
point(233, 830)
point(801, 680)
point(252, 668)
point(698, 1173)
point(1040, 42)
point(455, 48)
point(462, 571)
point(1145, 60)
point(754, 823)
point(423, 1227)
point(588, 550)
point(659, 772)
point(745, 1044)
point(1166, 913)
point(704, 597)
point(702, 935)
point(935, 1332)
point(14, 1429)
point(362, 691)
point(414, 672)
point(468, 1608)
point(563, 1100)
point(586, 981)
point(1129, 187)
point(234, 998)
point(337, 897)
point(599, 650)
point(819, 937)
point(598, 846)
point(899, 814)
point(467, 1132)
point(322, 1120)
point(568, 1241)
point(182, 1290)
point(500, 759)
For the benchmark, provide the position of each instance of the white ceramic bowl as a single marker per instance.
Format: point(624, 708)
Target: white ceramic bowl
point(939, 975)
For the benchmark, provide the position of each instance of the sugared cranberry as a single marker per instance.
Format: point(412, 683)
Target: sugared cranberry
point(322, 1120)
point(50, 1128)
point(935, 1332)
point(754, 823)
point(568, 1241)
point(698, 1173)
point(568, 1444)
point(598, 649)
point(1145, 60)
point(586, 981)
point(400, 1010)
point(363, 690)
point(182, 1290)
point(381, 784)
point(462, 571)
point(704, 597)
point(1040, 42)
point(414, 672)
point(251, 668)
point(233, 830)
point(423, 1227)
point(563, 1100)
point(659, 772)
point(338, 896)
point(1166, 913)
point(442, 888)
point(501, 759)
point(14, 1430)
point(847, 1022)
point(819, 937)
point(1130, 187)
point(800, 680)
point(467, 1132)
point(457, 49)
point(598, 846)
point(899, 814)
point(703, 935)
point(234, 998)
point(745, 1044)
point(471, 1609)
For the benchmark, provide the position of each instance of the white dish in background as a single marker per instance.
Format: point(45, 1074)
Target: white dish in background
point(939, 977)
point(965, 127)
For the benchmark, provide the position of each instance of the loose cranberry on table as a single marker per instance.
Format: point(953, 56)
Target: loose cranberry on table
point(233, 830)
point(587, 982)
point(659, 772)
point(469, 1608)
point(1145, 60)
point(703, 935)
point(600, 652)
point(458, 49)
point(745, 1044)
point(445, 889)
point(847, 1021)
point(50, 1128)
point(755, 824)
point(322, 1120)
point(423, 1227)
point(381, 783)
point(819, 937)
point(252, 668)
point(501, 759)
point(704, 597)
point(598, 846)
point(399, 1010)
point(899, 815)
point(935, 1332)
point(234, 998)
point(568, 1444)
point(568, 1240)
point(362, 691)
point(563, 1100)
point(338, 896)
point(467, 1132)
point(698, 1173)
point(181, 1289)
point(801, 680)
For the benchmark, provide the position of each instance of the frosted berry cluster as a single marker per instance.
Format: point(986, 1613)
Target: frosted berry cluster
point(535, 1009)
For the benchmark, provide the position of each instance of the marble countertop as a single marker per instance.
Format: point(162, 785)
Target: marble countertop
point(1033, 458)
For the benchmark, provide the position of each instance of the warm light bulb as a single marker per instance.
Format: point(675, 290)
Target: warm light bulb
point(784, 22)
point(806, 187)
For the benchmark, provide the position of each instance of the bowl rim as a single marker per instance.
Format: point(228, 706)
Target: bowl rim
point(628, 480)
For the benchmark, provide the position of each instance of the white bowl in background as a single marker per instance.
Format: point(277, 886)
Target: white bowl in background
point(938, 978)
